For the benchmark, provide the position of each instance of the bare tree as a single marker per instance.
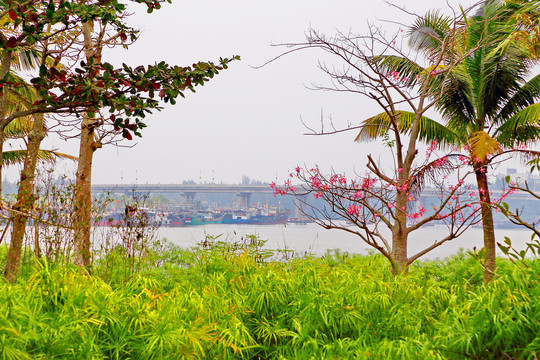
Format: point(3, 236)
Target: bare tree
point(367, 67)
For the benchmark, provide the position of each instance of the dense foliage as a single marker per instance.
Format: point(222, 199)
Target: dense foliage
point(230, 301)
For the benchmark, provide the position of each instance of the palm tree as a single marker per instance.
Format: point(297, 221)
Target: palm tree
point(20, 129)
point(491, 108)
point(33, 130)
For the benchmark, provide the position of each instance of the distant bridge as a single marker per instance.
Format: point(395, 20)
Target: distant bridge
point(192, 189)
point(182, 188)
point(244, 191)
point(187, 190)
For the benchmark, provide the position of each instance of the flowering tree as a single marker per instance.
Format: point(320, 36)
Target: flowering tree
point(491, 98)
point(384, 195)
point(367, 205)
point(516, 215)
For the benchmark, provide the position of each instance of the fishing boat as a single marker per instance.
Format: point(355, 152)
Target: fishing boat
point(110, 219)
point(265, 217)
point(300, 221)
point(235, 217)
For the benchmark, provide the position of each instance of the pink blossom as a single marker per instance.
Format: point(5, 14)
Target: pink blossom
point(441, 161)
point(434, 145)
point(367, 183)
point(353, 210)
point(358, 195)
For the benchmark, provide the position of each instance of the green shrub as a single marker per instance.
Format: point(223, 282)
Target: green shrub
point(235, 301)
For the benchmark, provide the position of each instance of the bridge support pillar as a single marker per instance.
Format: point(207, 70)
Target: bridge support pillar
point(298, 208)
point(189, 196)
point(243, 200)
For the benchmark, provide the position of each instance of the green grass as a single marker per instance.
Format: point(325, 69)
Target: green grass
point(224, 302)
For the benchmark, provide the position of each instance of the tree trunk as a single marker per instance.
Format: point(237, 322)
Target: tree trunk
point(2, 138)
point(83, 194)
point(5, 67)
point(25, 199)
point(399, 235)
point(487, 223)
point(83, 184)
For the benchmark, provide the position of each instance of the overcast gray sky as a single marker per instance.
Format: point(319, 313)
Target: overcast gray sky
point(246, 121)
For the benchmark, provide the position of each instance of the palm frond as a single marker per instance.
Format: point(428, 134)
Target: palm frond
point(25, 59)
point(525, 96)
point(434, 171)
point(429, 31)
point(430, 130)
point(524, 155)
point(522, 128)
point(481, 145)
point(20, 97)
point(407, 70)
point(17, 156)
point(19, 128)
point(62, 156)
point(503, 76)
point(374, 127)
point(455, 95)
point(28, 59)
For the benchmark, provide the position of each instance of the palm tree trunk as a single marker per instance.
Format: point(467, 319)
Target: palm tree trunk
point(25, 199)
point(83, 194)
point(5, 66)
point(487, 222)
point(2, 138)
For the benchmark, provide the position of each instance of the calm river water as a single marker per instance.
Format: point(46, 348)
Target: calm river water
point(316, 240)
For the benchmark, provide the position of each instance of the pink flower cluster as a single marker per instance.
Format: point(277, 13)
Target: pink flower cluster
point(464, 160)
point(339, 179)
point(358, 195)
point(368, 183)
point(421, 211)
point(402, 187)
point(434, 146)
point(441, 161)
point(287, 187)
point(395, 76)
point(457, 186)
point(354, 210)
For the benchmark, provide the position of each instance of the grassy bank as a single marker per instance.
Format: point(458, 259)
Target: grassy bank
point(221, 302)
